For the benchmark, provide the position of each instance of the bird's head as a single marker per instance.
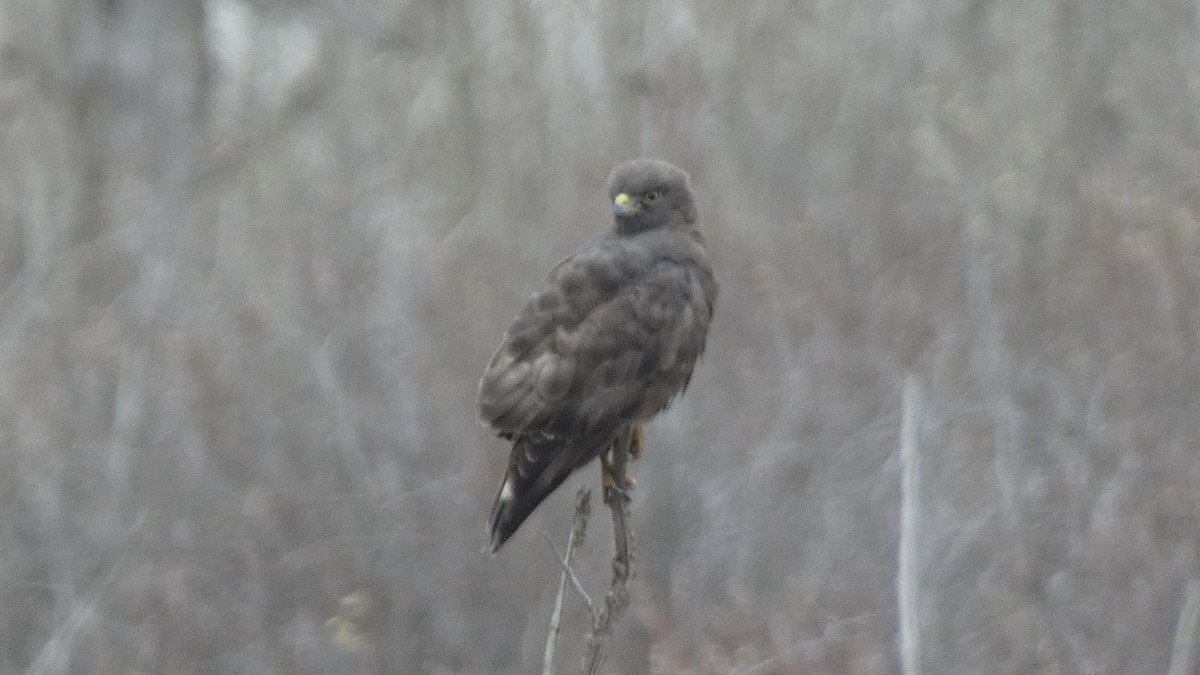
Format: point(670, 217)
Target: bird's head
point(650, 194)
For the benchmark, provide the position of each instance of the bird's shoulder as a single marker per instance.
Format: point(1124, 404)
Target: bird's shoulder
point(608, 270)
point(614, 261)
point(602, 272)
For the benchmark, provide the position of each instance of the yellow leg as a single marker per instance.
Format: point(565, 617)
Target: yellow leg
point(606, 475)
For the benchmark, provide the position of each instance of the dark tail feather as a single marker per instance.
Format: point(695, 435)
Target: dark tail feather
point(535, 468)
point(508, 512)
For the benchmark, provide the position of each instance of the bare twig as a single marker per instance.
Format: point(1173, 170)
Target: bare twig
point(910, 503)
point(583, 508)
point(1183, 655)
point(570, 572)
point(618, 594)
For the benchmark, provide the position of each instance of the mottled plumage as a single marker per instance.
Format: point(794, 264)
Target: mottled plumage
point(604, 344)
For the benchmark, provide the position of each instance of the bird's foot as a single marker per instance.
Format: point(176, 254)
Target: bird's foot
point(608, 482)
point(613, 491)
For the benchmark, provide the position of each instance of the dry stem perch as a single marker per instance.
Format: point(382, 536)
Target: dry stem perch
point(583, 508)
point(622, 565)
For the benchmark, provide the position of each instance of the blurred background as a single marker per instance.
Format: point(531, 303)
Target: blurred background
point(254, 255)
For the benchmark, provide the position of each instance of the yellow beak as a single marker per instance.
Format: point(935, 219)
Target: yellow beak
point(624, 205)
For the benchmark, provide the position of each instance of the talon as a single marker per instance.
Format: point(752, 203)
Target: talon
point(608, 484)
point(609, 487)
point(606, 476)
point(613, 491)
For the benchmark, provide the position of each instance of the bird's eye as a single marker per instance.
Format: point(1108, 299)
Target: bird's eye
point(652, 196)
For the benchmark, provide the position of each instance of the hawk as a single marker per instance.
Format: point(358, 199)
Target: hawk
point(605, 344)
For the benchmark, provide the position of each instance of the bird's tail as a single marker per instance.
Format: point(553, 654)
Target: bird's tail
point(537, 465)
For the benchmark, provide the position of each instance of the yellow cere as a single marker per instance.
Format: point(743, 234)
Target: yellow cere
point(623, 200)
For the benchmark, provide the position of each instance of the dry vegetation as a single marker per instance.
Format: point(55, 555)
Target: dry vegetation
point(254, 254)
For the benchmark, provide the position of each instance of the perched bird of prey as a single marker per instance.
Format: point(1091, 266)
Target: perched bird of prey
point(605, 344)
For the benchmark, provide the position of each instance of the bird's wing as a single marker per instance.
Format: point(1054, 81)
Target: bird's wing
point(608, 325)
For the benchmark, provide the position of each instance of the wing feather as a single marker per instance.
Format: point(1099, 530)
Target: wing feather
point(585, 349)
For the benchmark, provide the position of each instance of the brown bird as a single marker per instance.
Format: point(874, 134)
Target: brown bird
point(605, 344)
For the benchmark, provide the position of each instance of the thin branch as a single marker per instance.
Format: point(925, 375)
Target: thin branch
point(910, 503)
point(1183, 655)
point(618, 594)
point(570, 572)
point(583, 507)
